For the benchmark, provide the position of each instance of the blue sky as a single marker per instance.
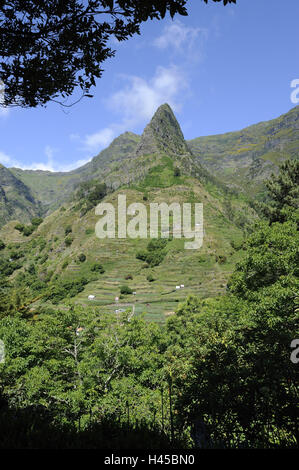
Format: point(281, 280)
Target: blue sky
point(220, 68)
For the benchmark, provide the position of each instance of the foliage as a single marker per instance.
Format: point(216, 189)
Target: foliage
point(82, 257)
point(155, 253)
point(36, 221)
point(27, 230)
point(89, 194)
point(125, 290)
point(177, 171)
point(65, 264)
point(19, 227)
point(218, 374)
point(68, 229)
point(283, 193)
point(97, 267)
point(65, 43)
point(68, 240)
point(64, 289)
point(231, 386)
point(85, 369)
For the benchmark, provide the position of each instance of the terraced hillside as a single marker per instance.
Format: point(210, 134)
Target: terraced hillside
point(64, 251)
point(204, 271)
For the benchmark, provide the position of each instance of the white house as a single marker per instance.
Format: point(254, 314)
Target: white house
point(177, 287)
point(91, 297)
point(182, 286)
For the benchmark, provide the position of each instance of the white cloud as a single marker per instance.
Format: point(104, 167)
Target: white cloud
point(5, 159)
point(136, 102)
point(49, 165)
point(180, 37)
point(139, 100)
point(100, 139)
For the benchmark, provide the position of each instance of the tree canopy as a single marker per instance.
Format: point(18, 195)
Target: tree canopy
point(49, 48)
point(283, 193)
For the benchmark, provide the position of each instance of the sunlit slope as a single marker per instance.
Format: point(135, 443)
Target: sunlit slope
point(245, 158)
point(51, 189)
point(204, 271)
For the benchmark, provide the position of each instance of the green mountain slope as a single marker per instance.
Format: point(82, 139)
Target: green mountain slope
point(162, 169)
point(241, 160)
point(52, 189)
point(245, 158)
point(16, 199)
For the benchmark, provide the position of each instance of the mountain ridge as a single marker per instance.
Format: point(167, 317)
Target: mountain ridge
point(240, 159)
point(244, 159)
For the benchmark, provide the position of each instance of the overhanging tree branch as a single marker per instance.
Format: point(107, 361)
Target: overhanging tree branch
point(50, 48)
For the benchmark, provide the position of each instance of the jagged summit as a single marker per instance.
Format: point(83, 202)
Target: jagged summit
point(163, 133)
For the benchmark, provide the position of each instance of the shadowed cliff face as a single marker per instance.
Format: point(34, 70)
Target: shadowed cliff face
point(16, 200)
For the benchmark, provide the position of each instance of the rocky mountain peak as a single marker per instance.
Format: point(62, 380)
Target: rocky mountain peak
point(163, 134)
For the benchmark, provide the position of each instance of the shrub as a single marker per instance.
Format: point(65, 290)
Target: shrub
point(28, 230)
point(65, 288)
point(44, 259)
point(150, 278)
point(68, 240)
point(89, 231)
point(31, 269)
point(20, 227)
point(177, 171)
point(42, 244)
point(154, 258)
point(68, 230)
point(36, 221)
point(236, 245)
point(157, 244)
point(155, 253)
point(125, 290)
point(82, 257)
point(38, 285)
point(128, 276)
point(220, 259)
point(142, 254)
point(65, 264)
point(16, 254)
point(97, 267)
point(2, 245)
